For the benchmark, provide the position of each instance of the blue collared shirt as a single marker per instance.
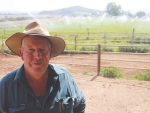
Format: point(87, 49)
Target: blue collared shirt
point(62, 93)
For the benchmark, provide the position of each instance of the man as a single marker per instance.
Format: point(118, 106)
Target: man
point(37, 86)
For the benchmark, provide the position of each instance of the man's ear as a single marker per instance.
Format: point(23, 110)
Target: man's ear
point(21, 53)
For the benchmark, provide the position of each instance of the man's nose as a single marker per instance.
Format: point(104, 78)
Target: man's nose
point(37, 54)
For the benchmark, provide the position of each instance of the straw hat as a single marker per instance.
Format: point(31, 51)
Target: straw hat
point(35, 28)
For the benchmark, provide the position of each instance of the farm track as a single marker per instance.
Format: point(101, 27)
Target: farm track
point(103, 95)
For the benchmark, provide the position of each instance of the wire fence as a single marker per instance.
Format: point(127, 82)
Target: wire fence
point(97, 42)
point(98, 61)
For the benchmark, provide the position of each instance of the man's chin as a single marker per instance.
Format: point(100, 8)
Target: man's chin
point(37, 68)
point(37, 71)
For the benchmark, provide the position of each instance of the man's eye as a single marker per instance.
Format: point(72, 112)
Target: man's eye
point(30, 50)
point(43, 50)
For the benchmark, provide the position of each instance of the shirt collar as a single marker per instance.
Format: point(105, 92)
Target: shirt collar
point(20, 71)
point(57, 68)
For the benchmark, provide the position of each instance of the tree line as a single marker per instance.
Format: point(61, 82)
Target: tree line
point(14, 19)
point(115, 10)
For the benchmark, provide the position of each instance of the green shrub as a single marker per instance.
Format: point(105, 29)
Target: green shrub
point(143, 76)
point(137, 40)
point(87, 48)
point(111, 72)
point(142, 50)
point(134, 49)
point(122, 49)
point(70, 47)
point(126, 49)
point(107, 49)
point(7, 51)
point(84, 48)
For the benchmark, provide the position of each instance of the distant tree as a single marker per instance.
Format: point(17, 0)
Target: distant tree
point(128, 13)
point(113, 9)
point(140, 14)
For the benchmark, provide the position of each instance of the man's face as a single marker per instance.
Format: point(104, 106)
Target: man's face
point(36, 53)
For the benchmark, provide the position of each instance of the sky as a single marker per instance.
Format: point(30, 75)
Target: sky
point(40, 5)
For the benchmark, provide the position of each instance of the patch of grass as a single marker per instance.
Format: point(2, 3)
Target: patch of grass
point(72, 71)
point(142, 76)
point(111, 72)
point(86, 72)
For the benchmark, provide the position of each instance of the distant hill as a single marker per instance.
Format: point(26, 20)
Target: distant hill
point(73, 11)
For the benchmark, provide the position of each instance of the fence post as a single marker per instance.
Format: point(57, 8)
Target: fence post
point(105, 38)
point(2, 46)
point(3, 38)
point(75, 41)
point(132, 38)
point(87, 33)
point(4, 32)
point(98, 58)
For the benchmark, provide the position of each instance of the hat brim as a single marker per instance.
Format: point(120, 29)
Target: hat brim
point(14, 43)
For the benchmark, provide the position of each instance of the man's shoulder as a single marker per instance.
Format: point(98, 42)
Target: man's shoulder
point(58, 68)
point(62, 72)
point(9, 76)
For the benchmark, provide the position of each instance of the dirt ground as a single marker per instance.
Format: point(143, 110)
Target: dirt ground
point(103, 95)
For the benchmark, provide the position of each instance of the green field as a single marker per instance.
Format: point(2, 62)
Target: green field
point(93, 31)
point(97, 26)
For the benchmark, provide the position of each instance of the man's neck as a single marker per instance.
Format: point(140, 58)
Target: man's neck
point(38, 85)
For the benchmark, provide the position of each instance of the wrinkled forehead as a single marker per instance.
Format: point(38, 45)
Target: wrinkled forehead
point(34, 37)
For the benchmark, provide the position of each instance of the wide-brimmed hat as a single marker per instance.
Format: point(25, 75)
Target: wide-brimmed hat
point(35, 28)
